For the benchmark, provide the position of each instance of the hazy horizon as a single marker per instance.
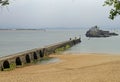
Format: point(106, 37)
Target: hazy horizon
point(56, 14)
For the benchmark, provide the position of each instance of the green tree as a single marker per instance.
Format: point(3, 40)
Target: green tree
point(4, 2)
point(115, 10)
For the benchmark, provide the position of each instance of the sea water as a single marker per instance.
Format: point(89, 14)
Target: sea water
point(14, 41)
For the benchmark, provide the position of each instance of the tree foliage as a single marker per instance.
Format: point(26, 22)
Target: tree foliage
point(4, 2)
point(115, 10)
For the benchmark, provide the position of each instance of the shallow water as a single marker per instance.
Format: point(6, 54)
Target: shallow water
point(14, 41)
point(49, 60)
point(108, 45)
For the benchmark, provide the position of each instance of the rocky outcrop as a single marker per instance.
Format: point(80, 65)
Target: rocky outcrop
point(96, 32)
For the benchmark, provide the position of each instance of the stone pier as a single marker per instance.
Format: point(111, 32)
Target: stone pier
point(29, 56)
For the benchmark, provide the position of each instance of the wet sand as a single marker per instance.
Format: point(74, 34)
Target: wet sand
point(70, 68)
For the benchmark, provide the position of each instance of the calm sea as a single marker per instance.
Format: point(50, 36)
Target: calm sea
point(14, 41)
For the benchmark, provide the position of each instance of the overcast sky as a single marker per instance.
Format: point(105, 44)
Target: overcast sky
point(56, 13)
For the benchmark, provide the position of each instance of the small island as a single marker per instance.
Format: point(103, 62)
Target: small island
point(96, 32)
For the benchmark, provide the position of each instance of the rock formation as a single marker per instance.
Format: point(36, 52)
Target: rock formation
point(96, 32)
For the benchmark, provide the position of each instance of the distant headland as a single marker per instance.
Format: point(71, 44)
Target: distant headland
point(25, 29)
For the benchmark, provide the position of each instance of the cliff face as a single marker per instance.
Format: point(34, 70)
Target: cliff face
point(96, 32)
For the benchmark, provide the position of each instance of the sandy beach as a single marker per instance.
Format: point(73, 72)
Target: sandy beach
point(70, 68)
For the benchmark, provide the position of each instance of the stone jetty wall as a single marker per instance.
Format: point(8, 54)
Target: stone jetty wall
point(29, 56)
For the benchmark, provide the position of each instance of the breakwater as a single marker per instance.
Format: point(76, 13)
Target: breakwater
point(29, 56)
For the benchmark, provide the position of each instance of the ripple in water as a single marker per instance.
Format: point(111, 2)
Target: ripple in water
point(48, 61)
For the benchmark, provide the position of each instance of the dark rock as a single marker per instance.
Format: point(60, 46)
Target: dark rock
point(96, 32)
point(113, 34)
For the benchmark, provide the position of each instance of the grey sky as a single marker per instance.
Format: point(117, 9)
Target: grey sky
point(56, 13)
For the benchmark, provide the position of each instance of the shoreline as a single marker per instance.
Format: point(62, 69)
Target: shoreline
point(83, 67)
point(83, 53)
